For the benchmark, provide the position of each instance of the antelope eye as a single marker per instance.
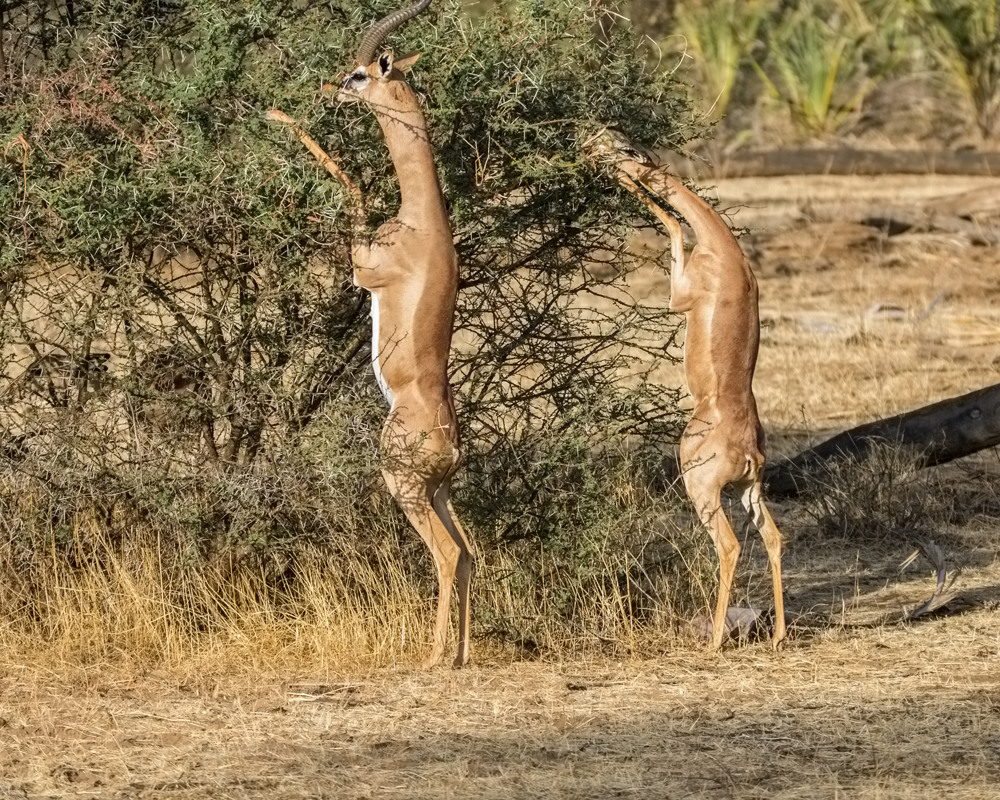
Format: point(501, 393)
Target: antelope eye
point(356, 80)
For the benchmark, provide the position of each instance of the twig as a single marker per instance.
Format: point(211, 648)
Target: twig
point(938, 598)
point(19, 139)
point(321, 155)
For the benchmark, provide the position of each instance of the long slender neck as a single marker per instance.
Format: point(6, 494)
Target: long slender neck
point(409, 146)
point(702, 218)
point(672, 226)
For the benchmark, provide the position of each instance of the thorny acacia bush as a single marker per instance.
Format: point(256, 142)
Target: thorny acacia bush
point(186, 355)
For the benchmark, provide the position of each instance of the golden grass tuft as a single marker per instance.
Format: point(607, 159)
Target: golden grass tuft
point(144, 603)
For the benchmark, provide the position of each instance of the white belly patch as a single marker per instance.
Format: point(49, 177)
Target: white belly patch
point(386, 391)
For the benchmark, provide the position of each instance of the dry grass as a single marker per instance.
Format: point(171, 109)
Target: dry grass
point(881, 713)
point(143, 607)
point(142, 679)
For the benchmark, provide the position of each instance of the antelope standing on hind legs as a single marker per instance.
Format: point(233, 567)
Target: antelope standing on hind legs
point(716, 290)
point(411, 270)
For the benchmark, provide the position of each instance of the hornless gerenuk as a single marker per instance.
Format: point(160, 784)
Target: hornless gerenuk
point(716, 291)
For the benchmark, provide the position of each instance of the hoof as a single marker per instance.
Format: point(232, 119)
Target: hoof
point(431, 661)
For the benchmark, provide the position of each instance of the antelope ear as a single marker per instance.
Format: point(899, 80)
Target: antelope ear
point(405, 64)
point(383, 65)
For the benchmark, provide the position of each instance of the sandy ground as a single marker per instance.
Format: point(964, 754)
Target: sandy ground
point(856, 712)
point(857, 323)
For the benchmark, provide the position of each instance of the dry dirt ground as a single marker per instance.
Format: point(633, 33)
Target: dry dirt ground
point(859, 321)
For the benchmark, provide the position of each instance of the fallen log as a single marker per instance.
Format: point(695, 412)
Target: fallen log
point(839, 161)
point(935, 434)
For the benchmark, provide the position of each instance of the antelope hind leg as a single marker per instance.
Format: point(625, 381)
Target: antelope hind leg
point(753, 502)
point(705, 492)
point(413, 493)
point(463, 571)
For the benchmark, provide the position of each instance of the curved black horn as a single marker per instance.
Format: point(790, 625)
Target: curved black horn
point(381, 30)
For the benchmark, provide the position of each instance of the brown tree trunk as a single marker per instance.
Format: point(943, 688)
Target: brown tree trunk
point(936, 434)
